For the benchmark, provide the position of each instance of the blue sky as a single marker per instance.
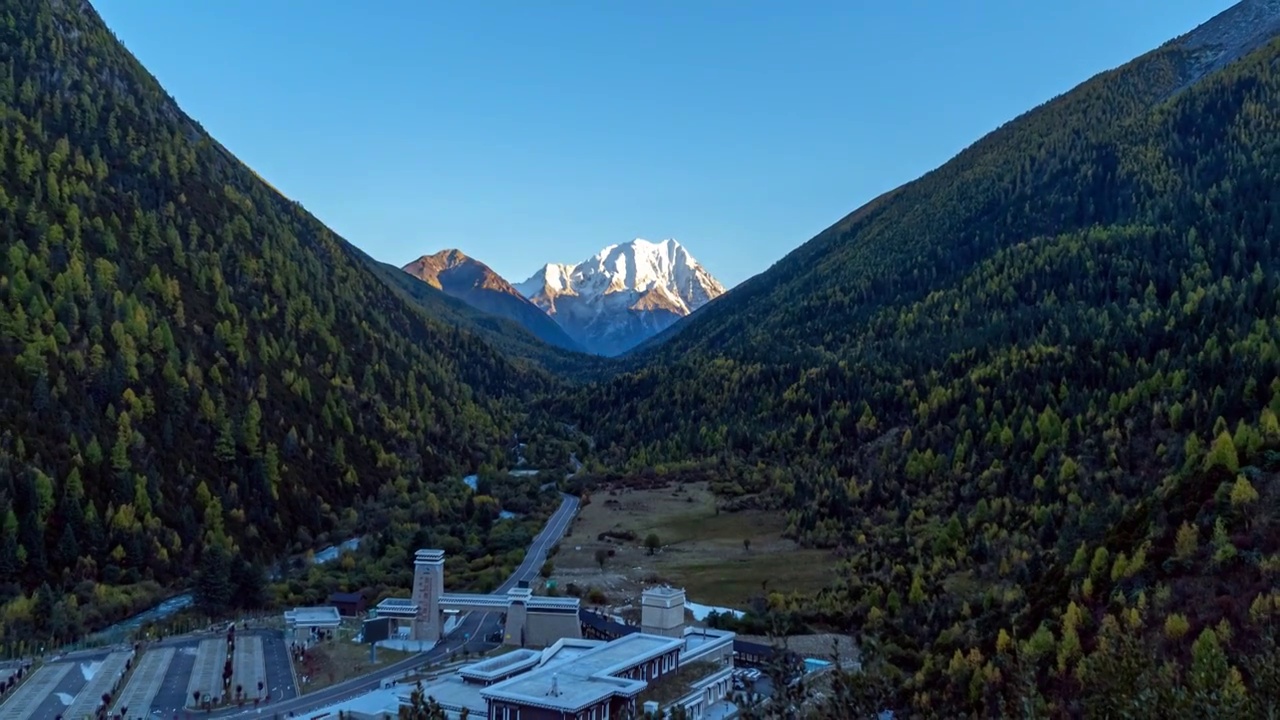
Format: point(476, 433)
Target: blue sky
point(532, 132)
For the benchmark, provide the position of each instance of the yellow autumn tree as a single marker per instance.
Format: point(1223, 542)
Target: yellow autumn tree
point(1222, 453)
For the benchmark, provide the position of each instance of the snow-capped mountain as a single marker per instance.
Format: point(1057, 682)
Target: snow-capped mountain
point(622, 295)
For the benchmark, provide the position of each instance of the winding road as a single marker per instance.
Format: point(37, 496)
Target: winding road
point(470, 632)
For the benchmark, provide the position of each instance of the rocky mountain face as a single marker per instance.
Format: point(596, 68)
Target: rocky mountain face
point(623, 295)
point(1228, 36)
point(455, 274)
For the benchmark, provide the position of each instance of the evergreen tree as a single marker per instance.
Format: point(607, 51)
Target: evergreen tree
point(214, 590)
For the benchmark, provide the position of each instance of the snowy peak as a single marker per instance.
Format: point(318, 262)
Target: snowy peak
point(553, 278)
point(623, 294)
point(641, 266)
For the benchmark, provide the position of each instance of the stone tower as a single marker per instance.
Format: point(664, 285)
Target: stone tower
point(662, 611)
point(428, 586)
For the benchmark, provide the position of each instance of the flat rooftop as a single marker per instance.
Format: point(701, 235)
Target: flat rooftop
point(570, 651)
point(454, 693)
point(573, 683)
point(663, 591)
point(375, 703)
point(502, 666)
point(473, 601)
point(559, 603)
point(313, 617)
point(693, 641)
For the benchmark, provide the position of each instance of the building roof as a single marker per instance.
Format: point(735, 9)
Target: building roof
point(613, 628)
point(346, 597)
point(663, 591)
point(750, 648)
point(453, 693)
point(397, 607)
point(321, 617)
point(540, 602)
point(587, 679)
point(695, 638)
point(428, 556)
point(375, 703)
point(502, 667)
point(472, 601)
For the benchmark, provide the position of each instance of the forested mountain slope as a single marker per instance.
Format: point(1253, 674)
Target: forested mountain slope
point(476, 284)
point(1050, 170)
point(1026, 398)
point(514, 340)
point(192, 364)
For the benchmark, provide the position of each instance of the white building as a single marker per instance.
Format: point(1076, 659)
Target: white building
point(663, 666)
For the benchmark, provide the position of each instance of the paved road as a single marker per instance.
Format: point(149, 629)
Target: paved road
point(279, 670)
point(480, 628)
point(473, 626)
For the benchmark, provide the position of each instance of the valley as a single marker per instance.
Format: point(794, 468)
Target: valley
point(725, 559)
point(1006, 434)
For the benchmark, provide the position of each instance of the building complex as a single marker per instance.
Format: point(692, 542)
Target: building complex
point(662, 665)
point(531, 621)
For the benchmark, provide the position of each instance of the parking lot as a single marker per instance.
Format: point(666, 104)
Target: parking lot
point(68, 688)
point(161, 684)
point(34, 692)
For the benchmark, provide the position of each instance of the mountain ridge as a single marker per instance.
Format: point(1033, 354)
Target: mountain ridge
point(624, 294)
point(1144, 82)
point(989, 390)
point(199, 375)
point(1028, 401)
point(472, 281)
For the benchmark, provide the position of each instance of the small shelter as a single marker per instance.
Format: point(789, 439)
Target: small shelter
point(349, 604)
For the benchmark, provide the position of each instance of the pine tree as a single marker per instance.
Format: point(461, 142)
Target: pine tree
point(213, 586)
